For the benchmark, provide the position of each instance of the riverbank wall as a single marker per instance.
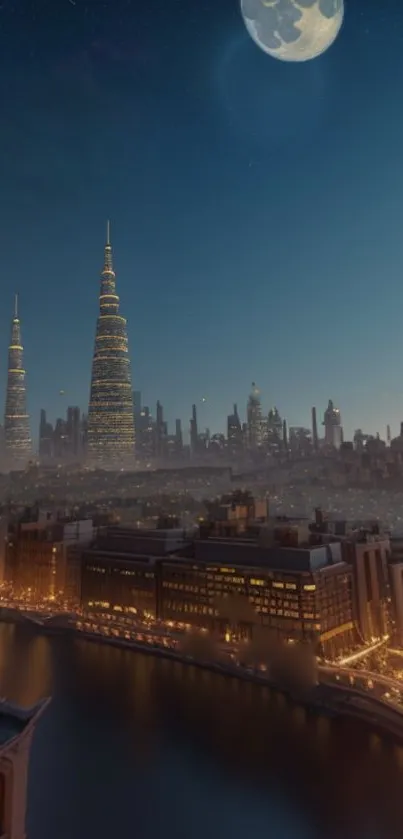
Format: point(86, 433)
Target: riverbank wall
point(326, 699)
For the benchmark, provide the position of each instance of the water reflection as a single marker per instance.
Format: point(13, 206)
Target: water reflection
point(131, 741)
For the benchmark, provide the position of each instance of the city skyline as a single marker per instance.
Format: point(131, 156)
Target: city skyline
point(107, 294)
point(109, 302)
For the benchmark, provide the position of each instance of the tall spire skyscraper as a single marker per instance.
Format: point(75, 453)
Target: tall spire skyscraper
point(17, 436)
point(110, 412)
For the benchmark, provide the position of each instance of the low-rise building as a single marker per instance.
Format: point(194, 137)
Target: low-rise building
point(300, 583)
point(302, 593)
point(120, 570)
point(38, 556)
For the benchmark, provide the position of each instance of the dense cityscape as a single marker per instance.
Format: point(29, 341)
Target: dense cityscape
point(272, 553)
point(201, 447)
point(116, 521)
point(118, 454)
point(207, 551)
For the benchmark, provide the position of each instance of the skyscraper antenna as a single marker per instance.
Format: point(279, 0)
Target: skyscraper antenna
point(16, 306)
point(108, 232)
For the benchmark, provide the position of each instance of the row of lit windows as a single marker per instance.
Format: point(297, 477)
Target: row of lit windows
point(147, 575)
point(195, 589)
point(252, 581)
point(184, 587)
point(199, 609)
point(193, 608)
point(278, 602)
point(226, 579)
point(257, 598)
point(104, 604)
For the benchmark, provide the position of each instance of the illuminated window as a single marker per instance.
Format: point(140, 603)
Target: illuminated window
point(310, 587)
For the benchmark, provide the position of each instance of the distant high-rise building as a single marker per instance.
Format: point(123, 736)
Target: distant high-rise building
point(315, 437)
point(333, 429)
point(145, 434)
point(300, 442)
point(84, 433)
point(254, 418)
point(17, 434)
point(74, 431)
point(60, 440)
point(285, 435)
point(234, 431)
point(272, 430)
point(42, 434)
point(45, 437)
point(110, 412)
point(194, 432)
point(178, 436)
point(160, 432)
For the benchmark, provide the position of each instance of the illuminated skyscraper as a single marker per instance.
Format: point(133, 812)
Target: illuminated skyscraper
point(333, 429)
point(110, 412)
point(254, 418)
point(17, 435)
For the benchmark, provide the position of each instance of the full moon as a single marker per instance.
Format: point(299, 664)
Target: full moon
point(293, 30)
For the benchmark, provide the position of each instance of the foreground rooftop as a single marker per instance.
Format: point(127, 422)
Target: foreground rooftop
point(14, 720)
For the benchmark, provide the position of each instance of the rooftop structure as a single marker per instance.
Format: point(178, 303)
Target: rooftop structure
point(153, 542)
point(17, 726)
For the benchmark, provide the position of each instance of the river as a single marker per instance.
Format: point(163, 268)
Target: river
point(138, 746)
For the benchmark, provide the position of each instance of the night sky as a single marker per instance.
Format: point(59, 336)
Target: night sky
point(256, 206)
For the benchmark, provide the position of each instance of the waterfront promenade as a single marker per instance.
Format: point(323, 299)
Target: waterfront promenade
point(340, 690)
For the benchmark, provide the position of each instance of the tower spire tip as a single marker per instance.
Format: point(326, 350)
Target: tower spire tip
point(16, 305)
point(108, 232)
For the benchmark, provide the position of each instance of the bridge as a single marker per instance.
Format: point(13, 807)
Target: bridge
point(362, 680)
point(385, 716)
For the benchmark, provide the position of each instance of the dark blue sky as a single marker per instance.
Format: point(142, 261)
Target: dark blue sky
point(256, 206)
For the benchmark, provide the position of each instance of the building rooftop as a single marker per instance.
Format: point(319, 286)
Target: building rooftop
point(308, 558)
point(140, 541)
point(10, 727)
point(116, 555)
point(14, 719)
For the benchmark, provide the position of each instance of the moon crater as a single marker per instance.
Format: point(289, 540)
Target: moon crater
point(293, 30)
